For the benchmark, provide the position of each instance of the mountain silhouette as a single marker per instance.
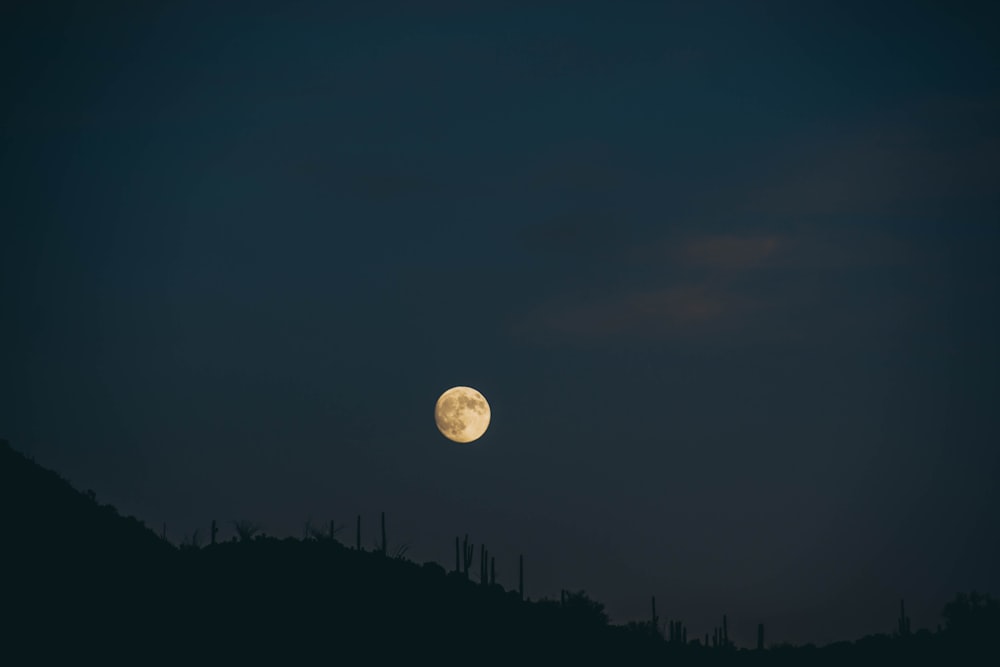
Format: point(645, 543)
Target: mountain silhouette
point(83, 583)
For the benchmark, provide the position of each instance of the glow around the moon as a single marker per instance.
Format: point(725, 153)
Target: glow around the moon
point(462, 414)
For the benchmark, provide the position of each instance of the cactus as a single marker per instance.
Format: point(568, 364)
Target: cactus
point(520, 575)
point(725, 631)
point(903, 624)
point(484, 562)
point(467, 550)
point(493, 571)
point(678, 633)
point(384, 545)
point(760, 636)
point(655, 619)
point(457, 568)
point(215, 530)
point(358, 540)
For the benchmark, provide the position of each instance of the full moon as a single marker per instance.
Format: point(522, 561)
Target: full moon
point(462, 414)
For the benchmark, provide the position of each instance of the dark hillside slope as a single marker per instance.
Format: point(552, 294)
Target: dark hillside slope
point(81, 583)
point(47, 517)
point(83, 580)
point(71, 567)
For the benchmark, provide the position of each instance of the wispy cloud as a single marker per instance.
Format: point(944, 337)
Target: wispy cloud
point(689, 287)
point(921, 161)
point(673, 310)
point(803, 248)
point(730, 251)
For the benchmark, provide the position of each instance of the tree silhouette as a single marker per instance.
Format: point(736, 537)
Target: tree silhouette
point(972, 615)
point(582, 609)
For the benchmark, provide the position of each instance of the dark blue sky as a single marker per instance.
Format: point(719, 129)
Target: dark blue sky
point(726, 273)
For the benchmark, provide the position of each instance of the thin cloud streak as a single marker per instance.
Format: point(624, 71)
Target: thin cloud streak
point(774, 286)
point(729, 251)
point(684, 309)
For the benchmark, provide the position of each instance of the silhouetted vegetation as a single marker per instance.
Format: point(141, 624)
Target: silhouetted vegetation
point(83, 582)
point(246, 530)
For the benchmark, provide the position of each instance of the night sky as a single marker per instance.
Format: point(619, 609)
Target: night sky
point(726, 272)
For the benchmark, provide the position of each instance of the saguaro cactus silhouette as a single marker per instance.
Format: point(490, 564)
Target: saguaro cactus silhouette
point(760, 636)
point(520, 575)
point(484, 561)
point(467, 551)
point(903, 623)
point(655, 619)
point(357, 543)
point(215, 530)
point(384, 545)
point(678, 633)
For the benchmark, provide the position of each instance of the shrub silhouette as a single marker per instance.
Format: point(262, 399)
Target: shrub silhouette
point(246, 530)
point(583, 610)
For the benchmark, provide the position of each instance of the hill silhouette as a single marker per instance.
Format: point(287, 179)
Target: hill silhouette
point(82, 582)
